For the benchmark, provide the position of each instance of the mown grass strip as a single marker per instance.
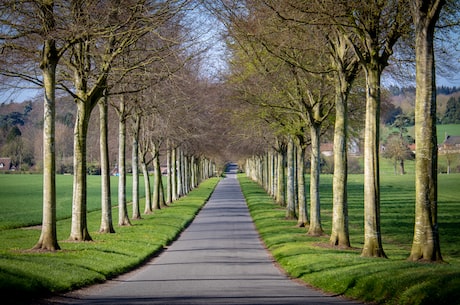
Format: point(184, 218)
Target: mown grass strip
point(28, 273)
point(344, 271)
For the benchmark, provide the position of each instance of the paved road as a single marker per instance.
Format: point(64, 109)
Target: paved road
point(219, 259)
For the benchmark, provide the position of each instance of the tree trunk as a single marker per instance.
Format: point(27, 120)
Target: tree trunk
point(79, 230)
point(290, 188)
point(123, 219)
point(156, 204)
point(179, 178)
point(315, 228)
point(135, 166)
point(174, 194)
point(402, 171)
point(302, 220)
point(106, 200)
point(169, 173)
point(148, 190)
point(281, 178)
point(340, 235)
point(48, 237)
point(426, 243)
point(372, 234)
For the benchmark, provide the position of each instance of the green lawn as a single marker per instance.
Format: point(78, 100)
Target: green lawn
point(28, 273)
point(345, 272)
point(441, 130)
point(21, 197)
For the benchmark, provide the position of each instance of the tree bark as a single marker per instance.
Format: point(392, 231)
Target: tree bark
point(315, 228)
point(157, 193)
point(135, 166)
point(290, 187)
point(281, 177)
point(340, 235)
point(106, 199)
point(174, 194)
point(123, 219)
point(372, 234)
point(79, 229)
point(426, 243)
point(169, 173)
point(302, 220)
point(48, 237)
point(148, 190)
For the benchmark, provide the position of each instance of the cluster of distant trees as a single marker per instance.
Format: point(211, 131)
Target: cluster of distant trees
point(12, 144)
point(396, 90)
point(452, 114)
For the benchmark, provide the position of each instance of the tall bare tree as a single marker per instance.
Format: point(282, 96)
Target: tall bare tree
point(426, 243)
point(50, 57)
point(377, 26)
point(106, 198)
point(346, 69)
point(24, 27)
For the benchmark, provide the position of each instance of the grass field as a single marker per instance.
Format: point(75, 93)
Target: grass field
point(441, 130)
point(25, 273)
point(345, 272)
point(21, 198)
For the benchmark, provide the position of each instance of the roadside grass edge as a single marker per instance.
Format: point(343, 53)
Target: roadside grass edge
point(343, 272)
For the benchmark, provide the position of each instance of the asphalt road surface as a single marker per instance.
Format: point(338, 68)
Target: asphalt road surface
point(218, 259)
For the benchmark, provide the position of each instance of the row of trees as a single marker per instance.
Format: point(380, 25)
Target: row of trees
point(295, 64)
point(132, 55)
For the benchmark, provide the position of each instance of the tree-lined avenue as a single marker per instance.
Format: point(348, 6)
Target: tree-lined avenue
point(219, 259)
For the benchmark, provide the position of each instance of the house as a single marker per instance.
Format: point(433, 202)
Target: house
point(451, 145)
point(5, 164)
point(327, 149)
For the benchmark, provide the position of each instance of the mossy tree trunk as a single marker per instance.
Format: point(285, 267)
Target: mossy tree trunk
point(48, 236)
point(106, 198)
point(426, 243)
point(372, 233)
point(136, 126)
point(79, 228)
point(315, 228)
point(290, 184)
point(347, 67)
point(302, 219)
point(340, 234)
point(123, 218)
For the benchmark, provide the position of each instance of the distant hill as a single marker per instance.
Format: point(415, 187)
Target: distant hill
point(404, 98)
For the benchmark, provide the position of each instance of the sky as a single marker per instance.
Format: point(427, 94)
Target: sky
point(209, 32)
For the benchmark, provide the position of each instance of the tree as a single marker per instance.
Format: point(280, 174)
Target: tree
point(376, 27)
point(24, 27)
point(135, 129)
point(426, 244)
point(396, 148)
point(106, 199)
point(346, 69)
point(100, 42)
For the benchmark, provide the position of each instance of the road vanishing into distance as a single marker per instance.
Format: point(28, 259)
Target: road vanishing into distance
point(218, 259)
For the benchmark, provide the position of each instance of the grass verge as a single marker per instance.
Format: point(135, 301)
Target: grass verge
point(32, 274)
point(344, 271)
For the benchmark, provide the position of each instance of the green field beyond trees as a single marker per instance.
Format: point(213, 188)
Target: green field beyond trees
point(21, 198)
point(344, 272)
point(25, 273)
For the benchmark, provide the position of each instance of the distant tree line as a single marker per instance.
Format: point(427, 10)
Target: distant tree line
point(396, 90)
